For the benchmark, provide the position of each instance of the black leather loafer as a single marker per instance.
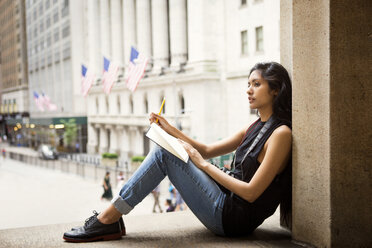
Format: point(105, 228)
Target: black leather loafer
point(121, 222)
point(94, 230)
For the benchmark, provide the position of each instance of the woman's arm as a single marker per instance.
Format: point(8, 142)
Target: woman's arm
point(207, 151)
point(274, 161)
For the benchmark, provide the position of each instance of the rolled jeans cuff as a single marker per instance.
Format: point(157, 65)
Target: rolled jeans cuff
point(121, 205)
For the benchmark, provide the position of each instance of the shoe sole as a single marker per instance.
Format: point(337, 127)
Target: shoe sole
point(122, 232)
point(107, 237)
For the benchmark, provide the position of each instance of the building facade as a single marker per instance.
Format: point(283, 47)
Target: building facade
point(200, 52)
point(13, 56)
point(54, 31)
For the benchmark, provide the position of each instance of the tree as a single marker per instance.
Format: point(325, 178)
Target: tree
point(70, 131)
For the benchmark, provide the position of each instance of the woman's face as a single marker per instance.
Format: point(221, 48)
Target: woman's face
point(260, 95)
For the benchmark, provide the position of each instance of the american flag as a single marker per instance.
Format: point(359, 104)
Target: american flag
point(38, 101)
point(136, 69)
point(87, 80)
point(110, 71)
point(48, 103)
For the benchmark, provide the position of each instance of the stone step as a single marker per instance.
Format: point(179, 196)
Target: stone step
point(176, 229)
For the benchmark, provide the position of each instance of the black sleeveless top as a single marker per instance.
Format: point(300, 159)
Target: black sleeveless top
point(240, 217)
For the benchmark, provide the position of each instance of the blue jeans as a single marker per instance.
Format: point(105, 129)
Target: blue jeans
point(199, 191)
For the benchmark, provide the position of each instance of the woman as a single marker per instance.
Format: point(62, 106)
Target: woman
point(107, 191)
point(229, 203)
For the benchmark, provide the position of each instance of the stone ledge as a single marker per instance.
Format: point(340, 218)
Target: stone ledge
point(181, 229)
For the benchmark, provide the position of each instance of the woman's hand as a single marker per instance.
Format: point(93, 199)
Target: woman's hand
point(195, 156)
point(162, 122)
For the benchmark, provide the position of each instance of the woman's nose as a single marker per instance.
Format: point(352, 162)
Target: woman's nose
point(249, 90)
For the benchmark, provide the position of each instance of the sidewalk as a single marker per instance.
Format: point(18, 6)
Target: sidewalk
point(177, 229)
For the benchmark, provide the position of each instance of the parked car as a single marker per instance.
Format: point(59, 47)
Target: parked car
point(47, 152)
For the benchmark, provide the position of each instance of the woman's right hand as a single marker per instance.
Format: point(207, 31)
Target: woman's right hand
point(162, 122)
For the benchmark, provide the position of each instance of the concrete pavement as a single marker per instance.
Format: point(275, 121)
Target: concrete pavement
point(35, 202)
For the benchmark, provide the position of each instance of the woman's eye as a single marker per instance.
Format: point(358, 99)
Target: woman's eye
point(256, 84)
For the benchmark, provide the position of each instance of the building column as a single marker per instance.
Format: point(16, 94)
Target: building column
point(129, 28)
point(92, 139)
point(103, 140)
point(113, 140)
point(116, 35)
point(105, 28)
point(93, 34)
point(143, 21)
point(332, 171)
point(160, 39)
point(125, 142)
point(178, 32)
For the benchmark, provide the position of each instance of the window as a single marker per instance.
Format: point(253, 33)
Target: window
point(48, 22)
point(244, 42)
point(131, 107)
point(243, 2)
point(259, 39)
point(55, 16)
point(146, 103)
point(65, 31)
point(47, 4)
point(66, 51)
point(56, 35)
point(182, 104)
point(35, 14)
point(161, 101)
point(118, 104)
point(41, 26)
point(57, 56)
point(97, 106)
point(35, 32)
point(49, 40)
point(41, 8)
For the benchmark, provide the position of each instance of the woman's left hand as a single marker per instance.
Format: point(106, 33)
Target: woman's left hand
point(195, 156)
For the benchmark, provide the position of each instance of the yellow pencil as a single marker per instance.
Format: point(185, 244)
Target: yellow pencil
point(161, 108)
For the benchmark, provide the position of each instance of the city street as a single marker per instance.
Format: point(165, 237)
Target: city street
point(33, 196)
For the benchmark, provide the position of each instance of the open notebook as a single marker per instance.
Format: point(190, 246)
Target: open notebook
point(168, 142)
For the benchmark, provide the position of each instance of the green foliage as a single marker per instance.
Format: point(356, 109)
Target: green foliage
point(70, 131)
point(138, 158)
point(109, 155)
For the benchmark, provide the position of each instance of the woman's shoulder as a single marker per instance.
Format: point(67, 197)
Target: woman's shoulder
point(282, 132)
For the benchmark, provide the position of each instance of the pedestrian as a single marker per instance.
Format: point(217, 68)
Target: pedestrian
point(107, 191)
point(180, 203)
point(120, 181)
point(228, 202)
point(169, 205)
point(156, 194)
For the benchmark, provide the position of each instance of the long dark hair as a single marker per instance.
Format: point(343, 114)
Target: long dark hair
point(278, 78)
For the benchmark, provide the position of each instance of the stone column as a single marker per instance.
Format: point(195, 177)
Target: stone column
point(113, 140)
point(116, 35)
point(129, 28)
point(160, 39)
point(105, 28)
point(332, 191)
point(178, 32)
point(103, 139)
point(143, 14)
point(139, 141)
point(93, 34)
point(92, 139)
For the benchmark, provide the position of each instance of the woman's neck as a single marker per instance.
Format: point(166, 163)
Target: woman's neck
point(265, 114)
